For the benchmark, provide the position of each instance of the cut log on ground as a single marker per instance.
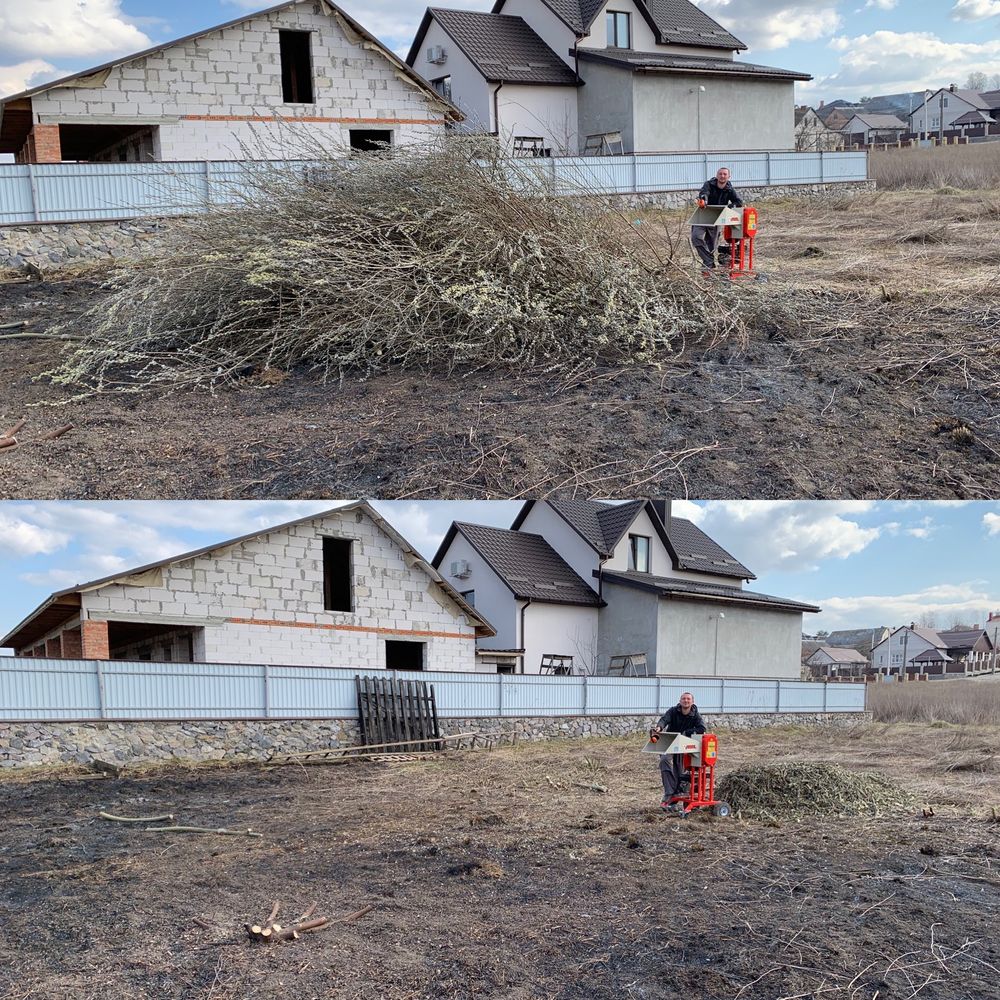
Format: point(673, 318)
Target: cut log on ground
point(165, 818)
point(221, 831)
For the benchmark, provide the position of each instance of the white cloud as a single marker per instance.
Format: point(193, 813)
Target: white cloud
point(774, 24)
point(44, 29)
point(24, 75)
point(881, 4)
point(924, 528)
point(20, 537)
point(944, 601)
point(891, 61)
point(788, 535)
point(975, 10)
point(991, 522)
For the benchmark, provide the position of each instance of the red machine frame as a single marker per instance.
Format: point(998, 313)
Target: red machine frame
point(701, 793)
point(741, 249)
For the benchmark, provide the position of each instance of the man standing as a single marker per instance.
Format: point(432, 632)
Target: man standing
point(683, 718)
point(717, 190)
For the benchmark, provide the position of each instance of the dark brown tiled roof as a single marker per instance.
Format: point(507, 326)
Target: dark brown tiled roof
point(960, 640)
point(687, 64)
point(669, 587)
point(674, 21)
point(843, 654)
point(528, 565)
point(504, 49)
point(696, 551)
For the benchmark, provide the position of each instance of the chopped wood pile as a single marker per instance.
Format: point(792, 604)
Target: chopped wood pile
point(271, 932)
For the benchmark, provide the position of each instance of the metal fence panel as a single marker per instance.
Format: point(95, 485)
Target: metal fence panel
point(39, 689)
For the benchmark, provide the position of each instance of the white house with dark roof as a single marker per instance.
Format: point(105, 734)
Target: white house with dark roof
point(943, 108)
point(268, 85)
point(337, 589)
point(868, 128)
point(569, 76)
point(917, 649)
point(833, 661)
point(594, 582)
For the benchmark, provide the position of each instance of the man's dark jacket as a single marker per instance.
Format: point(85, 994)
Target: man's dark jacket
point(714, 195)
point(675, 721)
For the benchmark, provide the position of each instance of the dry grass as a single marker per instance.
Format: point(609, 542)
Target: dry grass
point(971, 167)
point(957, 702)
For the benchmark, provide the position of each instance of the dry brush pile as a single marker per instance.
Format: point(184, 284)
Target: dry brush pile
point(435, 256)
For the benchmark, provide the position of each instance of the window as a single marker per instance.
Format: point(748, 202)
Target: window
point(401, 654)
point(296, 67)
point(638, 553)
point(370, 140)
point(443, 86)
point(945, 102)
point(469, 596)
point(337, 575)
point(619, 29)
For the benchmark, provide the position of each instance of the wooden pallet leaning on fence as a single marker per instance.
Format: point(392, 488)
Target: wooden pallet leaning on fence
point(403, 713)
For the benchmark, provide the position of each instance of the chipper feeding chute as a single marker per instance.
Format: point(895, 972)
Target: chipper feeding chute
point(699, 755)
point(739, 229)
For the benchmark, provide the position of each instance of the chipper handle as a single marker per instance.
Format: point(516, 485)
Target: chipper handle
point(701, 202)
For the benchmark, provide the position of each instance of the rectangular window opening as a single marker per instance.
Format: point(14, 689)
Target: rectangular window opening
point(338, 590)
point(638, 553)
point(296, 67)
point(370, 140)
point(443, 86)
point(469, 596)
point(619, 29)
point(402, 654)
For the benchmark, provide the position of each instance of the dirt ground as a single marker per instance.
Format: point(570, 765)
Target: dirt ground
point(501, 874)
point(869, 372)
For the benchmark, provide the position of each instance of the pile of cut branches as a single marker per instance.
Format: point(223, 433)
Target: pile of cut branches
point(774, 790)
point(437, 255)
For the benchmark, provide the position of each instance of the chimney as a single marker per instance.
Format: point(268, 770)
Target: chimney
point(662, 508)
point(821, 103)
point(952, 88)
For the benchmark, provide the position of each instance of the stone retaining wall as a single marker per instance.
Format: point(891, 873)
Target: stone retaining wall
point(30, 744)
point(56, 246)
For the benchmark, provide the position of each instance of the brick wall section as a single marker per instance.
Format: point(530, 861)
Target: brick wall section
point(44, 144)
point(72, 644)
point(261, 601)
point(95, 640)
point(53, 647)
point(201, 94)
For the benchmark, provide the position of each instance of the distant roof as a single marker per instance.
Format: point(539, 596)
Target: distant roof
point(855, 636)
point(878, 121)
point(670, 587)
point(972, 97)
point(843, 654)
point(526, 563)
point(677, 22)
point(504, 49)
point(931, 656)
point(991, 98)
point(669, 63)
point(973, 117)
point(962, 639)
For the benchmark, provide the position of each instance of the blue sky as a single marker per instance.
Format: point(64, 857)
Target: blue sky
point(865, 563)
point(852, 48)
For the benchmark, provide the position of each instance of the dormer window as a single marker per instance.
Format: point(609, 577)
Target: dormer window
point(638, 553)
point(619, 29)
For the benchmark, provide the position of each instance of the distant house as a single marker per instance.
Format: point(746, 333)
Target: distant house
point(812, 134)
point(551, 77)
point(581, 586)
point(300, 72)
point(973, 121)
point(918, 649)
point(861, 639)
point(867, 128)
point(831, 661)
point(942, 109)
point(342, 588)
point(836, 114)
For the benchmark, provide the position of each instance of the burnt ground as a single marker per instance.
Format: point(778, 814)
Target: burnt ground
point(867, 373)
point(500, 874)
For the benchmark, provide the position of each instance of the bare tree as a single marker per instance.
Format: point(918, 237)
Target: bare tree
point(995, 81)
point(977, 81)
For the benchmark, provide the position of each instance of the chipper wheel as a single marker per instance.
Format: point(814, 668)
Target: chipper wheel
point(721, 809)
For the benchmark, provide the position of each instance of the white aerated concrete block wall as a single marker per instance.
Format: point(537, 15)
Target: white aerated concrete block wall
point(261, 601)
point(204, 93)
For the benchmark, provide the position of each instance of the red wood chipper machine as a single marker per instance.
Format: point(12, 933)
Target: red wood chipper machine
point(698, 757)
point(738, 229)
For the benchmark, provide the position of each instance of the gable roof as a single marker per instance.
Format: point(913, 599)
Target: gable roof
point(991, 98)
point(963, 640)
point(931, 656)
point(59, 599)
point(503, 48)
point(673, 22)
point(526, 563)
point(972, 97)
point(668, 62)
point(856, 637)
point(345, 19)
point(974, 117)
point(878, 121)
point(842, 654)
point(670, 587)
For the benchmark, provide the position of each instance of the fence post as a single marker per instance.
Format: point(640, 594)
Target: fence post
point(500, 696)
point(768, 162)
point(635, 174)
point(267, 692)
point(208, 184)
point(822, 176)
point(777, 696)
point(704, 168)
point(36, 208)
point(658, 689)
point(101, 697)
point(722, 695)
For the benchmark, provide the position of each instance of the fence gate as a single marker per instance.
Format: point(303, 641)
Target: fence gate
point(394, 711)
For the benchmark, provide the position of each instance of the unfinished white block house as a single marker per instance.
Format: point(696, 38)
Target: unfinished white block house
point(340, 589)
point(583, 586)
point(558, 77)
point(263, 86)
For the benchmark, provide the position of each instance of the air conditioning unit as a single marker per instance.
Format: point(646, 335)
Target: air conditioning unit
point(461, 568)
point(437, 54)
